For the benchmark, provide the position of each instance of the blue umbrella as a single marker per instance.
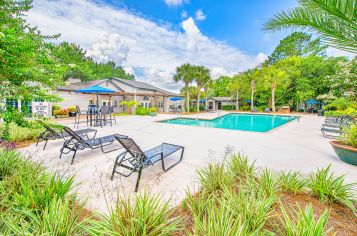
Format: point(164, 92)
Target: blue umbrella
point(202, 100)
point(312, 101)
point(95, 89)
point(248, 101)
point(176, 99)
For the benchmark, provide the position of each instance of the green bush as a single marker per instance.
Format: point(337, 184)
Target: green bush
point(228, 107)
point(15, 116)
point(148, 215)
point(340, 104)
point(350, 136)
point(141, 111)
point(15, 133)
point(244, 108)
point(34, 202)
point(327, 187)
point(153, 109)
point(341, 112)
point(56, 107)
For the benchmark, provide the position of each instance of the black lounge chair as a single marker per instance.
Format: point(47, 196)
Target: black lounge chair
point(138, 159)
point(52, 134)
point(78, 143)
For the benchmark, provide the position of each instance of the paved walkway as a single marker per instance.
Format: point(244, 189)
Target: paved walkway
point(297, 145)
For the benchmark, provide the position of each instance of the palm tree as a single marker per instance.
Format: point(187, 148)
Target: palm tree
point(206, 87)
point(184, 73)
point(236, 86)
point(202, 75)
point(334, 21)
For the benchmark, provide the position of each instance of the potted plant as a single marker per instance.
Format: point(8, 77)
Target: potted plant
point(153, 111)
point(72, 111)
point(346, 149)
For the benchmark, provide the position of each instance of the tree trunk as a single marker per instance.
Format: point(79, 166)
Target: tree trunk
point(237, 101)
point(252, 97)
point(187, 99)
point(273, 97)
point(198, 97)
point(206, 99)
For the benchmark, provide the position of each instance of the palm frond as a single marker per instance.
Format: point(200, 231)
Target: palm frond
point(334, 20)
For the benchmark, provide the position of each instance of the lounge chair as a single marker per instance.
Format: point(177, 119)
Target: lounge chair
point(138, 160)
point(78, 143)
point(52, 134)
point(331, 133)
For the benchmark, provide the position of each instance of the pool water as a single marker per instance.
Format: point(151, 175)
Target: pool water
point(248, 122)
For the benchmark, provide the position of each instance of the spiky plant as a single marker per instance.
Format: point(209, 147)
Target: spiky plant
point(334, 21)
point(147, 215)
point(302, 222)
point(327, 187)
point(291, 182)
point(240, 167)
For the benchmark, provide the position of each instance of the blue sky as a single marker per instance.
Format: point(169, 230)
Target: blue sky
point(237, 22)
point(150, 38)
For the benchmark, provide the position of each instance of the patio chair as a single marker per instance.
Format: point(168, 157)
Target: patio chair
point(78, 117)
point(104, 116)
point(138, 159)
point(52, 134)
point(78, 143)
point(267, 110)
point(331, 133)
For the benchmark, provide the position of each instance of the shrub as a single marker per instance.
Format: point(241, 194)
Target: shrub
point(228, 107)
point(56, 107)
point(268, 182)
point(239, 166)
point(62, 112)
point(327, 187)
point(15, 116)
point(244, 108)
point(214, 178)
point(153, 109)
point(303, 223)
point(141, 111)
point(15, 133)
point(292, 182)
point(72, 109)
point(350, 136)
point(340, 104)
point(218, 221)
point(147, 216)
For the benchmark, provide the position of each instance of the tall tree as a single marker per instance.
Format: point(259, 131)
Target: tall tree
point(185, 73)
point(297, 44)
point(237, 85)
point(202, 75)
point(28, 69)
point(273, 79)
point(206, 87)
point(334, 21)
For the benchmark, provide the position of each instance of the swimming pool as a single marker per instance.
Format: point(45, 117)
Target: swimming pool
point(240, 121)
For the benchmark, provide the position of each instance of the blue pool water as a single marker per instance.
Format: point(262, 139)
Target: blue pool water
point(248, 122)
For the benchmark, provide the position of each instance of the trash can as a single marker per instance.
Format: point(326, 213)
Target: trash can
point(320, 112)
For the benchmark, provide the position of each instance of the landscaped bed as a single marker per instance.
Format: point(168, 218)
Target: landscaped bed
point(234, 199)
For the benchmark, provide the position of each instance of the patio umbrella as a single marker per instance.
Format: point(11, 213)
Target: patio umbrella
point(95, 89)
point(312, 101)
point(176, 99)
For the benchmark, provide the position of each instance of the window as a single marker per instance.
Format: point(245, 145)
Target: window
point(115, 103)
point(160, 104)
point(26, 106)
point(145, 104)
point(12, 103)
point(146, 98)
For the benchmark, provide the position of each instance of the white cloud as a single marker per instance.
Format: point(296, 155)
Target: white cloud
point(261, 57)
point(174, 2)
point(184, 14)
point(111, 47)
point(267, 37)
point(200, 16)
point(134, 42)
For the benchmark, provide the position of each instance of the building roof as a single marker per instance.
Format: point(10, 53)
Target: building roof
point(116, 83)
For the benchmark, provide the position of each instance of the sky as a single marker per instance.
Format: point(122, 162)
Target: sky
point(150, 38)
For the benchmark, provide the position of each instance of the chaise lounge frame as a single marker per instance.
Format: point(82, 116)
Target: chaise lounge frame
point(138, 160)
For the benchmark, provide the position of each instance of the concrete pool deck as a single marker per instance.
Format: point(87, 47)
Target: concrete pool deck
point(297, 145)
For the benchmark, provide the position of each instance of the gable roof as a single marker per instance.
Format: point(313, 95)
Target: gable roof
point(116, 83)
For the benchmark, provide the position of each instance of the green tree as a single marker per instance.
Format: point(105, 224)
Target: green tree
point(276, 80)
point(129, 104)
point(297, 44)
point(334, 21)
point(28, 69)
point(237, 86)
point(202, 75)
point(206, 88)
point(220, 86)
point(185, 73)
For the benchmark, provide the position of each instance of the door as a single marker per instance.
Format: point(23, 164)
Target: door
point(219, 105)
